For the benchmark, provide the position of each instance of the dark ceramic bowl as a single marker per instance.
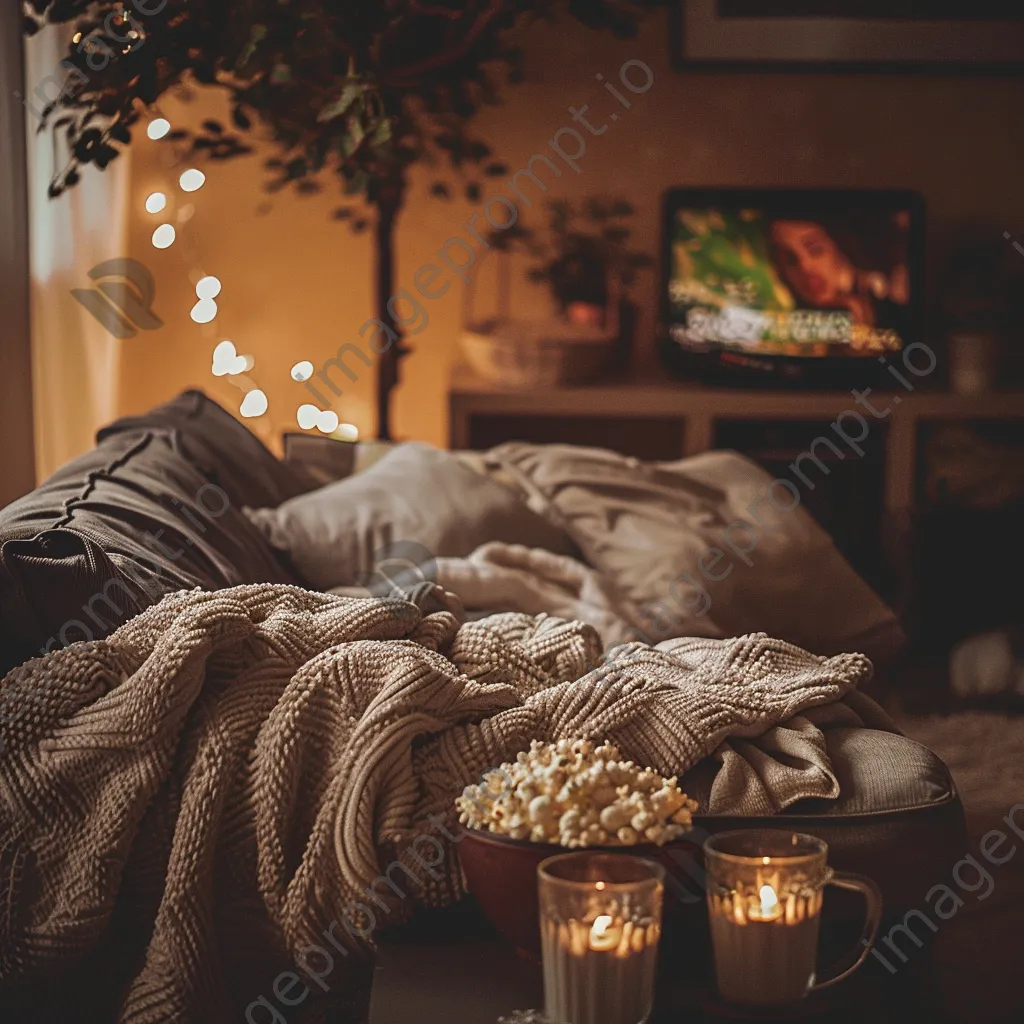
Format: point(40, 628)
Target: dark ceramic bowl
point(502, 877)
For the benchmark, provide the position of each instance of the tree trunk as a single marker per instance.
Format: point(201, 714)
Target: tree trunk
point(388, 200)
point(504, 286)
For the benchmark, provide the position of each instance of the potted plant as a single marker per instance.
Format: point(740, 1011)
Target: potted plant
point(586, 262)
point(585, 259)
point(358, 89)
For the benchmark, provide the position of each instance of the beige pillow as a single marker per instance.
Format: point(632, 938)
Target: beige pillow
point(706, 546)
point(415, 504)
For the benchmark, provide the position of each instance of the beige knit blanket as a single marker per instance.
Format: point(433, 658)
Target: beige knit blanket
point(224, 786)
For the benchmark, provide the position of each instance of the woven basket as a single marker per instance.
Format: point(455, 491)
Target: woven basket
point(520, 354)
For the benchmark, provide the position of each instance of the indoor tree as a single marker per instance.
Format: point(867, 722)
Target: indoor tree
point(361, 89)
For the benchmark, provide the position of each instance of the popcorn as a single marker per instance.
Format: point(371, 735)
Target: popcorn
point(576, 793)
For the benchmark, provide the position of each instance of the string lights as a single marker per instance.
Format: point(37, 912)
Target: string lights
point(226, 361)
point(326, 421)
point(164, 236)
point(208, 287)
point(302, 371)
point(205, 309)
point(307, 416)
point(192, 180)
point(254, 404)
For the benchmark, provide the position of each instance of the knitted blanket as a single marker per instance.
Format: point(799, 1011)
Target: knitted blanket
point(510, 577)
point(239, 782)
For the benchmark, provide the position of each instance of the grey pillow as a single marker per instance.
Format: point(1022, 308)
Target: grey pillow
point(415, 503)
point(154, 507)
point(695, 548)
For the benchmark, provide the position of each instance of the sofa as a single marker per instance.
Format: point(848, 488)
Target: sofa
point(157, 506)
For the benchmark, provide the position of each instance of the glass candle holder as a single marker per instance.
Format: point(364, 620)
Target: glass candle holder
point(600, 920)
point(764, 901)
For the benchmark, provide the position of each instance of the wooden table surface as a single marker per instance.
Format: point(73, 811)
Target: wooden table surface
point(451, 968)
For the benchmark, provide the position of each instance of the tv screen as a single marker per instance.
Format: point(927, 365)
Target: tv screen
point(756, 280)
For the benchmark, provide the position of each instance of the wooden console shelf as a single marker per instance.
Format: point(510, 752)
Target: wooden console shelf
point(698, 411)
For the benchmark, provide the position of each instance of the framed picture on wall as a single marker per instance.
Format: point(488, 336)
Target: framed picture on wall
point(869, 35)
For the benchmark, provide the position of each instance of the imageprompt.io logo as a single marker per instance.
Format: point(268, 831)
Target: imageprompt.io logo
point(122, 300)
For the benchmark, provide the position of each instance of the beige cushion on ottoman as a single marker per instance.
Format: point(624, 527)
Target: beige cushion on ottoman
point(898, 818)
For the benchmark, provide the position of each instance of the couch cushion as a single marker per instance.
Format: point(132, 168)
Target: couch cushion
point(415, 496)
point(150, 510)
point(221, 448)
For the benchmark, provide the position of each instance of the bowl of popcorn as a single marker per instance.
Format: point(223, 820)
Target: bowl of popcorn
point(568, 795)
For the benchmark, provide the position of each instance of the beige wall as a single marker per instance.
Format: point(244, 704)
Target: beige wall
point(297, 284)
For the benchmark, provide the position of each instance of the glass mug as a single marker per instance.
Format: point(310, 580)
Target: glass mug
point(600, 922)
point(764, 892)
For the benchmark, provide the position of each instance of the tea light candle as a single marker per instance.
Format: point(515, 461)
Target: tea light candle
point(764, 891)
point(764, 947)
point(605, 933)
point(599, 938)
point(765, 912)
point(599, 972)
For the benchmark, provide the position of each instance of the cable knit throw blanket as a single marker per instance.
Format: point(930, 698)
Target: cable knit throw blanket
point(227, 775)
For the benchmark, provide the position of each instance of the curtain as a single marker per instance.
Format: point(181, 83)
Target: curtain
point(75, 356)
point(17, 459)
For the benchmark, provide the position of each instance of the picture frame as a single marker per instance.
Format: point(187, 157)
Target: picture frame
point(959, 36)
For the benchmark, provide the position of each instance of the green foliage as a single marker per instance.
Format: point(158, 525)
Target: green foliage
point(357, 88)
point(584, 244)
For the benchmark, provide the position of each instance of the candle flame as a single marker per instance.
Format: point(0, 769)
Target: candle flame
point(605, 933)
point(769, 901)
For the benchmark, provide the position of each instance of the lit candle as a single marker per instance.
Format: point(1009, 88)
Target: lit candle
point(764, 902)
point(769, 909)
point(599, 937)
point(605, 933)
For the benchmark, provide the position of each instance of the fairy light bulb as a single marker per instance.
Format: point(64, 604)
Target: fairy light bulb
point(254, 404)
point(158, 128)
point(208, 287)
point(155, 202)
point(164, 236)
point(191, 180)
point(302, 371)
point(307, 416)
point(227, 362)
point(204, 311)
point(327, 422)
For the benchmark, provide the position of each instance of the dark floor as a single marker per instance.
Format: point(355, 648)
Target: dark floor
point(979, 962)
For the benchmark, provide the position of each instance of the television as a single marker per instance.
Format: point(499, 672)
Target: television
point(813, 288)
